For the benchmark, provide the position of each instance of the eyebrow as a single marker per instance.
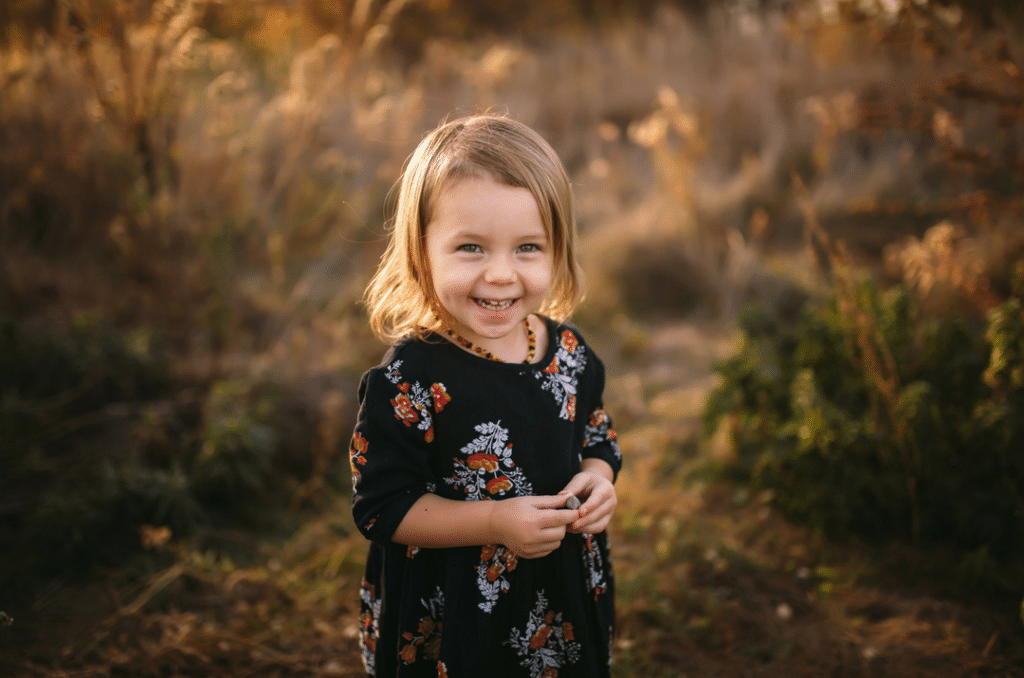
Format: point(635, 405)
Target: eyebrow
point(469, 232)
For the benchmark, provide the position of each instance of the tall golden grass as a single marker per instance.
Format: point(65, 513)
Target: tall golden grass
point(245, 152)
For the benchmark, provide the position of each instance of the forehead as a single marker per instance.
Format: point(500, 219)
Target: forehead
point(477, 203)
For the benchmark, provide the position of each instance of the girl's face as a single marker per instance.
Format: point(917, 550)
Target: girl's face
point(490, 260)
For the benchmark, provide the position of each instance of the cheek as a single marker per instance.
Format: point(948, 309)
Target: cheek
point(451, 279)
point(540, 277)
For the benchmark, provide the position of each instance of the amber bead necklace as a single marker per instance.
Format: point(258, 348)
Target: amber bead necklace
point(531, 344)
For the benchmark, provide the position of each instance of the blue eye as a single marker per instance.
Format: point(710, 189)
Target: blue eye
point(469, 248)
point(530, 247)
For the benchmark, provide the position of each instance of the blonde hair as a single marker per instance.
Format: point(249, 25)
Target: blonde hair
point(400, 298)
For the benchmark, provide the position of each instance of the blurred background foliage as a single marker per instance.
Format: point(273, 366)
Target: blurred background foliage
point(193, 194)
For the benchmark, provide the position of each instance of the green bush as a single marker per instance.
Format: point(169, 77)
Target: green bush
point(235, 464)
point(866, 418)
point(98, 441)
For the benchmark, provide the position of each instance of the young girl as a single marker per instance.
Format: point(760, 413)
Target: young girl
point(483, 427)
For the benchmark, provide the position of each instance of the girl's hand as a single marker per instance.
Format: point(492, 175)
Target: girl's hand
point(596, 511)
point(532, 527)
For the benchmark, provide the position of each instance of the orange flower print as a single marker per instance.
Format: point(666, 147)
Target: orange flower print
point(487, 462)
point(593, 565)
point(442, 670)
point(369, 608)
point(413, 402)
point(540, 637)
point(355, 455)
point(494, 571)
point(432, 648)
point(408, 653)
point(486, 470)
point(428, 632)
point(500, 484)
point(359, 443)
point(546, 644)
point(441, 397)
point(411, 551)
point(569, 341)
point(598, 430)
point(495, 561)
point(405, 411)
point(561, 377)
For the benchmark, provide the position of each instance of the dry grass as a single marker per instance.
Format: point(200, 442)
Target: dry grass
point(220, 171)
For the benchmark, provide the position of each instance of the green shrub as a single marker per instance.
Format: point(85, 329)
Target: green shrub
point(98, 441)
point(866, 418)
point(235, 465)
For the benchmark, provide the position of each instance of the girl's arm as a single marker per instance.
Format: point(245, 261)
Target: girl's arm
point(530, 526)
point(594, 482)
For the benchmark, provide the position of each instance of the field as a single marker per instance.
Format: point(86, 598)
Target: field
point(193, 195)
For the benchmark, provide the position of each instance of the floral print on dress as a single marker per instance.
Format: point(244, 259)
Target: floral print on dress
point(561, 377)
point(487, 470)
point(593, 564)
point(495, 561)
point(412, 404)
point(356, 452)
point(426, 640)
point(598, 430)
point(441, 397)
point(547, 643)
point(369, 630)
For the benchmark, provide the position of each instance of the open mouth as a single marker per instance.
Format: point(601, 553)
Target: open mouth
point(494, 304)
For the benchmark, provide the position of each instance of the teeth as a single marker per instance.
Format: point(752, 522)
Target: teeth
point(495, 304)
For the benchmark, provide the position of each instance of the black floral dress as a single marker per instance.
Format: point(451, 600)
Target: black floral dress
point(435, 418)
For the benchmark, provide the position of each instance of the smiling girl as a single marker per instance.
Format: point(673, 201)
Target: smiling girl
point(483, 424)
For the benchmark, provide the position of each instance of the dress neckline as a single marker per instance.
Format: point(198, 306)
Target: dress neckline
point(479, 360)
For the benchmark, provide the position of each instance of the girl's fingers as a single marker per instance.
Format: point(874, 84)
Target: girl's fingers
point(561, 516)
point(556, 501)
point(598, 498)
point(548, 501)
point(576, 486)
point(595, 514)
point(580, 484)
point(539, 550)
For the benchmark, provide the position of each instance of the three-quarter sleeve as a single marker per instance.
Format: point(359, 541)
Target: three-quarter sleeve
point(390, 450)
point(599, 438)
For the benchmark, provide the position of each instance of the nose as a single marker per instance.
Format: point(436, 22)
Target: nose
point(500, 270)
